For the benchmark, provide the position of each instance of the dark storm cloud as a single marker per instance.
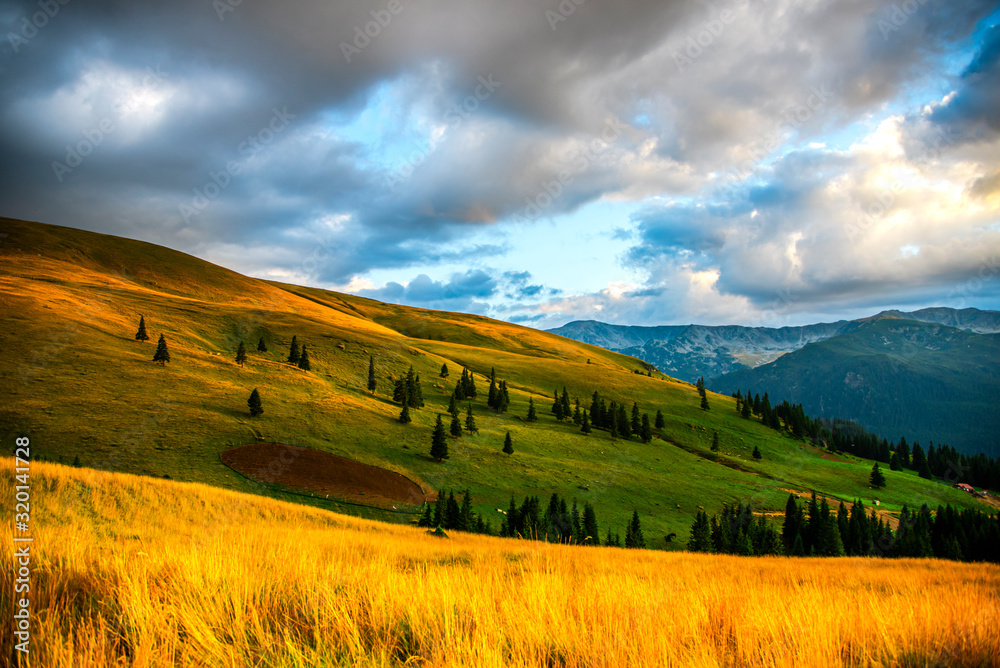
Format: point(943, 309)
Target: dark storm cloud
point(517, 109)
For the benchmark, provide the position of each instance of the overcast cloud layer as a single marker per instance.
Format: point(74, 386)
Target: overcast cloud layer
point(752, 162)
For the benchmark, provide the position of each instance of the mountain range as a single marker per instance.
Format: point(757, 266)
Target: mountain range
point(927, 375)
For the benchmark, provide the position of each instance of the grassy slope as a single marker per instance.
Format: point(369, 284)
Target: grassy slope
point(141, 572)
point(80, 386)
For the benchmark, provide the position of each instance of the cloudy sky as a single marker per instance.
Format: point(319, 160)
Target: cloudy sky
point(757, 162)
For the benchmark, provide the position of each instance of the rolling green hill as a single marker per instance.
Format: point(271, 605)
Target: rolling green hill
point(947, 381)
point(78, 383)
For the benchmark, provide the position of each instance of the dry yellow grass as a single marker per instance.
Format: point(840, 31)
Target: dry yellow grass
point(143, 572)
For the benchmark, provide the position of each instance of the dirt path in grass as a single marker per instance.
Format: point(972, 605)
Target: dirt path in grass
point(307, 470)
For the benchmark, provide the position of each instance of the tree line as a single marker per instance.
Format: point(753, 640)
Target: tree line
point(949, 533)
point(941, 461)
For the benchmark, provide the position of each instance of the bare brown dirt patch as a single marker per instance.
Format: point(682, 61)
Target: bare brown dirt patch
point(321, 473)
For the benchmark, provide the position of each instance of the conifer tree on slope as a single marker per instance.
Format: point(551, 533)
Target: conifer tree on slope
point(254, 403)
point(141, 335)
point(470, 421)
point(304, 360)
point(162, 355)
point(372, 381)
point(293, 351)
point(508, 445)
point(241, 354)
point(439, 442)
point(261, 346)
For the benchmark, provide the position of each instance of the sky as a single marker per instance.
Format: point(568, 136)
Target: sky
point(755, 162)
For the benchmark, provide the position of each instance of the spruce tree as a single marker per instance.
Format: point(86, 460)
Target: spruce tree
point(591, 533)
point(399, 391)
point(254, 403)
point(293, 351)
point(532, 417)
point(633, 535)
point(715, 441)
point(585, 428)
point(427, 519)
point(304, 360)
point(877, 478)
point(404, 415)
point(162, 355)
point(508, 445)
point(470, 422)
point(660, 422)
point(453, 406)
point(261, 346)
point(141, 335)
point(704, 402)
point(636, 423)
point(439, 442)
point(456, 425)
point(756, 453)
point(372, 381)
point(701, 537)
point(241, 354)
point(645, 430)
point(444, 371)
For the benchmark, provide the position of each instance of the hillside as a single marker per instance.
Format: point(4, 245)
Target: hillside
point(141, 572)
point(924, 381)
point(85, 390)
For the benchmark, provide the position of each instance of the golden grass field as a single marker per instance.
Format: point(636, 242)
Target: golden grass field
point(132, 571)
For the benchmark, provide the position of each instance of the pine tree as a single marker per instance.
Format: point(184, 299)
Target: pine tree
point(141, 335)
point(636, 423)
point(254, 403)
point(241, 354)
point(745, 411)
point(304, 360)
point(586, 424)
point(633, 535)
point(261, 346)
point(508, 445)
point(399, 391)
point(427, 519)
point(591, 533)
point(894, 464)
point(162, 355)
point(660, 422)
point(456, 425)
point(293, 351)
point(645, 430)
point(453, 406)
point(565, 403)
point(439, 442)
point(470, 422)
point(404, 415)
point(532, 417)
point(701, 537)
point(503, 397)
point(756, 453)
point(444, 371)
point(877, 478)
point(704, 402)
point(715, 441)
point(467, 517)
point(372, 381)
